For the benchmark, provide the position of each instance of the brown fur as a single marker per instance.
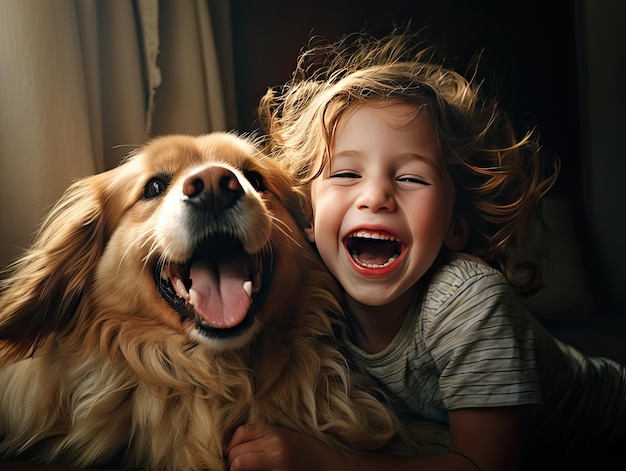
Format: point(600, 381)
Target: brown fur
point(98, 369)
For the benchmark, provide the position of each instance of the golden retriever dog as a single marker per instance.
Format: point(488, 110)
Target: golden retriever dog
point(164, 303)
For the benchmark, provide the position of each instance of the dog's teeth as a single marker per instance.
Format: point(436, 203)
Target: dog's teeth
point(193, 297)
point(165, 274)
point(180, 287)
point(247, 287)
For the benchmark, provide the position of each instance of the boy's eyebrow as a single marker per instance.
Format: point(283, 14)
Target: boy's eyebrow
point(429, 160)
point(435, 162)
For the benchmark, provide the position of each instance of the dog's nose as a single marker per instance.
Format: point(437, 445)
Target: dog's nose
point(212, 188)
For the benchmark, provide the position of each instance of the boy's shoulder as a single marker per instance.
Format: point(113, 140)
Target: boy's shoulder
point(462, 266)
point(460, 272)
point(458, 285)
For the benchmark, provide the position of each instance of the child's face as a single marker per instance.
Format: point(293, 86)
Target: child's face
point(383, 209)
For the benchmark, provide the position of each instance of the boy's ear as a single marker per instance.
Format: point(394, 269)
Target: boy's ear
point(310, 233)
point(458, 235)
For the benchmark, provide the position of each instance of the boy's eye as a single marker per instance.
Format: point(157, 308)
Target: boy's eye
point(344, 175)
point(413, 179)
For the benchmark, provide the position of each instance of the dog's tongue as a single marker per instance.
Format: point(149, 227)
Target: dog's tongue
point(220, 298)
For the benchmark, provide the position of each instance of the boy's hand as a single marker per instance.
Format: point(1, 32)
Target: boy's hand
point(267, 448)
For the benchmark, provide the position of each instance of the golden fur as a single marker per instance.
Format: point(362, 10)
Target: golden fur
point(97, 368)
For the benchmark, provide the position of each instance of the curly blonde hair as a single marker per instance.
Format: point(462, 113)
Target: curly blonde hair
point(499, 179)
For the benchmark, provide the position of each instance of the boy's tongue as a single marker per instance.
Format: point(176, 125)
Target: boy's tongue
point(373, 252)
point(219, 297)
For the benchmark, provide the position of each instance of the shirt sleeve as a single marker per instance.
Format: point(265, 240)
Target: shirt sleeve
point(480, 339)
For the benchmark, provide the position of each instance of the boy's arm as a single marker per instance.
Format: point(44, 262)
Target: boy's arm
point(483, 439)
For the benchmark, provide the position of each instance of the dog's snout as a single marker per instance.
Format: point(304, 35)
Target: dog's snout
point(212, 188)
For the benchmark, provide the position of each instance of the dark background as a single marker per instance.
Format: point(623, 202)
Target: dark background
point(529, 53)
point(557, 65)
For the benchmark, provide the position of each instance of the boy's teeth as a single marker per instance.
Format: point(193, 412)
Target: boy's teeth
point(372, 235)
point(375, 265)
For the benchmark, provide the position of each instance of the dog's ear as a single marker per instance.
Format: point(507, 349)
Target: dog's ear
point(45, 286)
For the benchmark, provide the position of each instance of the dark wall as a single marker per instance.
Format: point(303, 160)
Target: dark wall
point(558, 65)
point(529, 53)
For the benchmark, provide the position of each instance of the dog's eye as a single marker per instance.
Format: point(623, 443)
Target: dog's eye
point(154, 188)
point(256, 180)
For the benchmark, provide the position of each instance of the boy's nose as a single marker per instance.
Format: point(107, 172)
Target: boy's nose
point(376, 197)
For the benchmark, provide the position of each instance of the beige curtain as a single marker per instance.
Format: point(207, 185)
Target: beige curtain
point(83, 82)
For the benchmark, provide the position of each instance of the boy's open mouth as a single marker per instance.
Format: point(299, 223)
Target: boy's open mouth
point(373, 249)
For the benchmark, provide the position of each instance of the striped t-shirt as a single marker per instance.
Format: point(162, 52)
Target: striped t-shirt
point(469, 342)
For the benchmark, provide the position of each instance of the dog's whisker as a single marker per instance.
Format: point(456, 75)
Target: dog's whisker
point(162, 261)
point(154, 246)
point(284, 227)
point(141, 241)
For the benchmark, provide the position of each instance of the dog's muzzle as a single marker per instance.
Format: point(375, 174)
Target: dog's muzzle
point(220, 286)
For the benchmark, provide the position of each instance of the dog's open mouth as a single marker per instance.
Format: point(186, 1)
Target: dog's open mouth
point(217, 288)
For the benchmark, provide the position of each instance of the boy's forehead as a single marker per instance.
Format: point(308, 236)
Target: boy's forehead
point(370, 120)
point(395, 112)
point(395, 129)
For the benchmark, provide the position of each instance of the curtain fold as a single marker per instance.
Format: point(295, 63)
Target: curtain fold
point(84, 82)
point(45, 135)
point(191, 98)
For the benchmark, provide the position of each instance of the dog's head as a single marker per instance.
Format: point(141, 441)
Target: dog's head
point(200, 233)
